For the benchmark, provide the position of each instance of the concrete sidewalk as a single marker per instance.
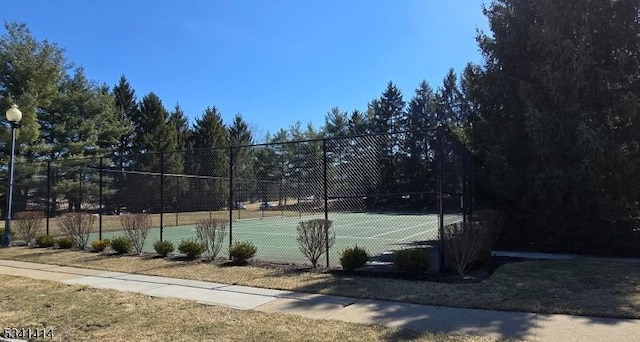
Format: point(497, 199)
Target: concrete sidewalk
point(420, 318)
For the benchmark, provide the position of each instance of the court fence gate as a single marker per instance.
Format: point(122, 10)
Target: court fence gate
point(382, 192)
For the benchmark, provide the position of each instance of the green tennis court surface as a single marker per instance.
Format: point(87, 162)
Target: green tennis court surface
point(275, 237)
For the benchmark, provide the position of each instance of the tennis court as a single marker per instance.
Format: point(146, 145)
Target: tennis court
point(275, 237)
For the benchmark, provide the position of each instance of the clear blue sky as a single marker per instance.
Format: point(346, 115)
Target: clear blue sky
point(274, 61)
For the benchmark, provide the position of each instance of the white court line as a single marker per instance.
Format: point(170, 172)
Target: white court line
point(296, 235)
point(401, 229)
point(363, 222)
point(287, 220)
point(416, 234)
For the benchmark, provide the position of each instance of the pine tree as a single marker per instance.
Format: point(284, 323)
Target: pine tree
point(80, 122)
point(388, 115)
point(336, 123)
point(557, 104)
point(31, 73)
point(420, 144)
point(154, 142)
point(240, 137)
point(126, 108)
point(449, 99)
point(180, 123)
point(209, 157)
point(359, 123)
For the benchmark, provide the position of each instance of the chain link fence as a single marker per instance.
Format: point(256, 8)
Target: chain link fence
point(381, 192)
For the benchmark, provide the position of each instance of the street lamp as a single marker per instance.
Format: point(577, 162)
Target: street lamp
point(14, 115)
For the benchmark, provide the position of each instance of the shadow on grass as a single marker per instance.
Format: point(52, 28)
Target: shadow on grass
point(597, 293)
point(416, 320)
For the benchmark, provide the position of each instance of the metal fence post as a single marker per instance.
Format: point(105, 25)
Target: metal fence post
point(177, 208)
point(471, 180)
point(326, 198)
point(440, 197)
point(101, 203)
point(161, 193)
point(80, 201)
point(230, 195)
point(48, 195)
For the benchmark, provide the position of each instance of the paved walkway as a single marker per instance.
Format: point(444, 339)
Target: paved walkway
point(421, 318)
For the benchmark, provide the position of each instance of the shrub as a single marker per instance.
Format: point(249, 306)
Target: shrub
point(353, 258)
point(211, 233)
point(44, 241)
point(100, 245)
point(121, 244)
point(28, 224)
point(163, 247)
point(136, 227)
point(412, 262)
point(314, 238)
point(78, 226)
point(191, 248)
point(467, 245)
point(65, 242)
point(241, 252)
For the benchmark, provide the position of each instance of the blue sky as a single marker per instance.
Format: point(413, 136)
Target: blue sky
point(274, 61)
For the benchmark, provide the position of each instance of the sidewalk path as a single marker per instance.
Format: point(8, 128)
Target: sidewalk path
point(420, 318)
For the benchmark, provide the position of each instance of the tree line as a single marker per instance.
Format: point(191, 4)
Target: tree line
point(551, 115)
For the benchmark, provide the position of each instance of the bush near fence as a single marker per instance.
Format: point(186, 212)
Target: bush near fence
point(29, 224)
point(314, 238)
point(468, 245)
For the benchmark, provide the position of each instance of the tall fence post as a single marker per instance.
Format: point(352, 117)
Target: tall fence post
point(465, 186)
point(471, 181)
point(101, 202)
point(177, 208)
point(326, 198)
point(440, 197)
point(48, 195)
point(230, 196)
point(80, 201)
point(161, 193)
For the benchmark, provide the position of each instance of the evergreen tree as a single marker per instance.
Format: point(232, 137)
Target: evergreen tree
point(449, 99)
point(180, 123)
point(80, 122)
point(155, 141)
point(557, 127)
point(336, 123)
point(210, 158)
point(126, 108)
point(388, 111)
point(31, 73)
point(388, 115)
point(358, 123)
point(418, 149)
point(240, 137)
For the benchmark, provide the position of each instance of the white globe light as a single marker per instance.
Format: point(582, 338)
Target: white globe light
point(13, 114)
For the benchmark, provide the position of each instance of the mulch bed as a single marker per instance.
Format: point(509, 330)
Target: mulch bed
point(387, 271)
point(383, 270)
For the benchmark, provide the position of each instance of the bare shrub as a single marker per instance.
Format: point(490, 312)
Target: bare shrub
point(494, 218)
point(28, 224)
point(136, 227)
point(78, 226)
point(467, 245)
point(211, 233)
point(314, 238)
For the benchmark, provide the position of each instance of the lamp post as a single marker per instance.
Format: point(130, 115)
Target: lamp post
point(14, 115)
